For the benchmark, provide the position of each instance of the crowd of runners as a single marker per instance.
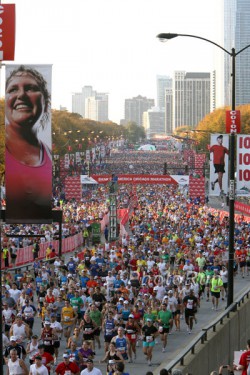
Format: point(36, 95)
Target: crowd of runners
point(121, 297)
point(140, 162)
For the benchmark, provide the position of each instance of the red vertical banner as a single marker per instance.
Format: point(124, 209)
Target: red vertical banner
point(233, 121)
point(28, 162)
point(8, 30)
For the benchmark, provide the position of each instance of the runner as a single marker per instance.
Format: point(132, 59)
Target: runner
point(121, 343)
point(165, 319)
point(149, 332)
point(132, 331)
point(68, 318)
point(216, 285)
point(190, 302)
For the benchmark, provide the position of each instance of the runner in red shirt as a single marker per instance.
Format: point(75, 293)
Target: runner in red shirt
point(242, 261)
point(67, 367)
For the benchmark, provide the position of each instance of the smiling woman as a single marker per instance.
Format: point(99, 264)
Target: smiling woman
point(28, 170)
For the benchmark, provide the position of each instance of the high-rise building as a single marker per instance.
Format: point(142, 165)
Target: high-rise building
point(154, 122)
point(135, 107)
point(78, 100)
point(237, 35)
point(163, 83)
point(169, 111)
point(191, 98)
point(96, 107)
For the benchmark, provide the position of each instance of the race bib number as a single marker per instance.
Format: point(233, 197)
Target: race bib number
point(121, 349)
point(149, 338)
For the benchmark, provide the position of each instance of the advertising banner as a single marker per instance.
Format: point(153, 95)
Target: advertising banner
point(233, 121)
point(8, 31)
point(137, 179)
point(28, 163)
point(242, 207)
point(103, 151)
point(88, 155)
point(243, 163)
point(219, 145)
point(66, 161)
point(78, 158)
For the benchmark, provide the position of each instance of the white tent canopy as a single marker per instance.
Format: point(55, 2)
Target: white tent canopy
point(86, 180)
point(147, 148)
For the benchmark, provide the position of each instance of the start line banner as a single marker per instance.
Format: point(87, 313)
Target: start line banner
point(137, 179)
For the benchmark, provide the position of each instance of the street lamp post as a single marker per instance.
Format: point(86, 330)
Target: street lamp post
point(233, 54)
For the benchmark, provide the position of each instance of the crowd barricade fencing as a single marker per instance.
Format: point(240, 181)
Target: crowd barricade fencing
point(25, 254)
point(222, 214)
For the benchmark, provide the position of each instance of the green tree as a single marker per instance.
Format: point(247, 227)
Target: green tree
point(215, 122)
point(134, 133)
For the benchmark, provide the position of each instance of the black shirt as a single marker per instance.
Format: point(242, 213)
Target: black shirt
point(148, 331)
point(19, 348)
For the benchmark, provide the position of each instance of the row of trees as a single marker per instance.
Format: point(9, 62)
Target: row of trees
point(214, 122)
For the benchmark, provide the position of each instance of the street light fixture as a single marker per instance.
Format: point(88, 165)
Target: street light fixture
point(232, 54)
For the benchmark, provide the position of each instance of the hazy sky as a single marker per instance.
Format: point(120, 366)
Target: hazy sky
point(112, 45)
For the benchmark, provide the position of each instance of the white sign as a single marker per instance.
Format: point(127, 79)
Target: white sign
point(243, 166)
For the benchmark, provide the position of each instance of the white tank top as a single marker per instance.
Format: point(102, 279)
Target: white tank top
point(15, 368)
point(33, 350)
point(19, 331)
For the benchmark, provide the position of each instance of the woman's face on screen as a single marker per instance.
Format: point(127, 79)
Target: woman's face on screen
point(24, 101)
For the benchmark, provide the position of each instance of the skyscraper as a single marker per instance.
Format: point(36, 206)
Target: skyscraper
point(154, 122)
point(163, 83)
point(78, 100)
point(237, 35)
point(96, 107)
point(191, 98)
point(169, 111)
point(135, 107)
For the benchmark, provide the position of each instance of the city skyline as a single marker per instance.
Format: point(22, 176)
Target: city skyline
point(112, 45)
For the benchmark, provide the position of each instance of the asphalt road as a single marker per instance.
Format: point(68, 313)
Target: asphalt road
point(176, 341)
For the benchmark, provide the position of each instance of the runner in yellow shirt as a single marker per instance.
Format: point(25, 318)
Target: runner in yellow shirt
point(68, 319)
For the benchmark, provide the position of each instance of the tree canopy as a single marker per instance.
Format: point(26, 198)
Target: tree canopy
point(214, 122)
